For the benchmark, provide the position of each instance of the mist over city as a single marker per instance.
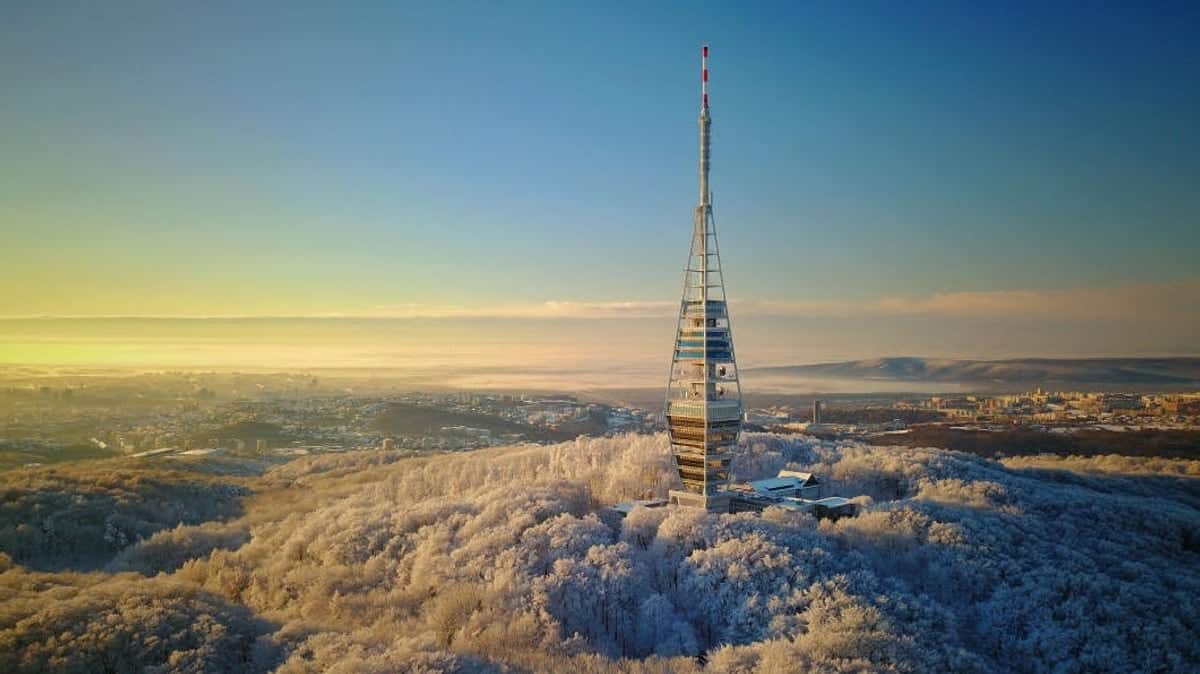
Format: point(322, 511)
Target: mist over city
point(643, 339)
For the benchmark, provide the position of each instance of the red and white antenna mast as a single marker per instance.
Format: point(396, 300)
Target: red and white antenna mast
point(705, 124)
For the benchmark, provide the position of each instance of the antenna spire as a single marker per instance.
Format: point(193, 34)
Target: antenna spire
point(705, 123)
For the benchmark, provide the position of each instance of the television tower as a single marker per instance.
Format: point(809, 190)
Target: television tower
point(704, 395)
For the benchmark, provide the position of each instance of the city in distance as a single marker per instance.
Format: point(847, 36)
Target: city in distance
point(353, 339)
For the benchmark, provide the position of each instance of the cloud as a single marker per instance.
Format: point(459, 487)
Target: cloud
point(1172, 301)
point(1142, 301)
point(546, 309)
point(1131, 302)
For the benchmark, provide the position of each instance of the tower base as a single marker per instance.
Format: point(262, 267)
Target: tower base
point(713, 503)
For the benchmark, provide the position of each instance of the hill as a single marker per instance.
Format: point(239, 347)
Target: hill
point(1052, 373)
point(505, 560)
point(1170, 444)
point(18, 454)
point(81, 516)
point(246, 431)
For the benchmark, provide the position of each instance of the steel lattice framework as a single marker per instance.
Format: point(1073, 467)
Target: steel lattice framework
point(704, 394)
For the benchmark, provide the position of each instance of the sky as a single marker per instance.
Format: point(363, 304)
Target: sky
point(888, 178)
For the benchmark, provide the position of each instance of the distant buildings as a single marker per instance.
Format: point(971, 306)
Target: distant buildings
point(1059, 411)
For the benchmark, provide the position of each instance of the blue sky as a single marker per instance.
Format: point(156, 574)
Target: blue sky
point(360, 158)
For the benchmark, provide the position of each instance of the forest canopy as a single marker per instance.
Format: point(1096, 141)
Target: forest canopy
point(509, 560)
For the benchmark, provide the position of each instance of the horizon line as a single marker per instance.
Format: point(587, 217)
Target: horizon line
point(1164, 300)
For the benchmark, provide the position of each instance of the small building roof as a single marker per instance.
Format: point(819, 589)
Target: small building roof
point(775, 485)
point(805, 478)
point(786, 481)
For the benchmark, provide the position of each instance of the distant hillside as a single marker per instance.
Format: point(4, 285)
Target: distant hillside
point(1134, 372)
point(406, 419)
point(246, 431)
point(16, 454)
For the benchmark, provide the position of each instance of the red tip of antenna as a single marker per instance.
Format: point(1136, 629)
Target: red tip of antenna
point(705, 50)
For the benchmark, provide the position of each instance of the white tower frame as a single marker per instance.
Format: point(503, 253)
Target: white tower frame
point(704, 392)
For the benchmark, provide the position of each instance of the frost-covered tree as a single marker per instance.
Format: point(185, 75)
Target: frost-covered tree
point(504, 560)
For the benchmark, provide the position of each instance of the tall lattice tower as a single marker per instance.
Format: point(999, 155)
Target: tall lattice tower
point(704, 395)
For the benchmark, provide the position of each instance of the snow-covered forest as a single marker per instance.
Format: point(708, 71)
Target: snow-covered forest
point(506, 560)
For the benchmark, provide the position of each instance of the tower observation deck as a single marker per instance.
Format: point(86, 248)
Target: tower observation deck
point(704, 394)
